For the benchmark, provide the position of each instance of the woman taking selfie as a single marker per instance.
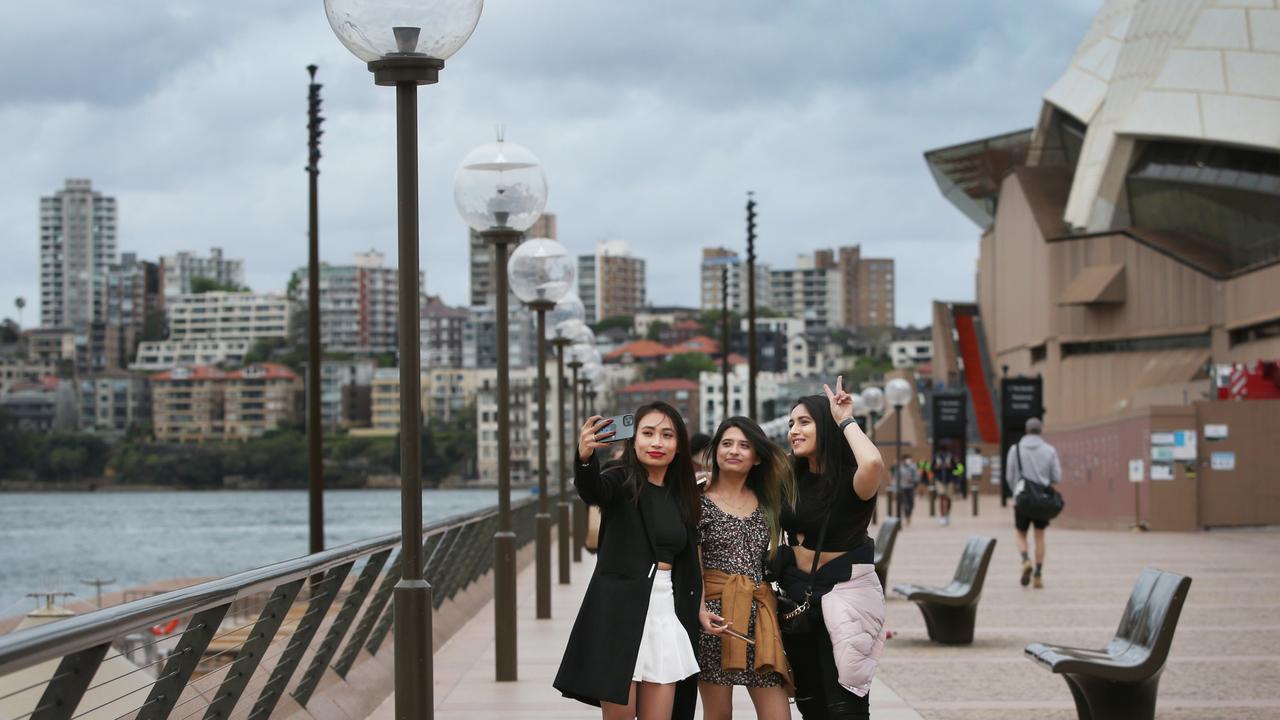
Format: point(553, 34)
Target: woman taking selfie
point(838, 472)
point(741, 518)
point(631, 651)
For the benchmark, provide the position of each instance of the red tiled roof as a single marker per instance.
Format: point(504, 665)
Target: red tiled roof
point(699, 343)
point(736, 359)
point(193, 372)
point(688, 325)
point(660, 385)
point(640, 349)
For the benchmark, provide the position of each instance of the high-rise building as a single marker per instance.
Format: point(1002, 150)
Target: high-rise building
point(180, 269)
point(359, 305)
point(611, 282)
point(442, 329)
point(836, 289)
point(77, 246)
point(135, 303)
point(482, 280)
point(719, 262)
point(480, 337)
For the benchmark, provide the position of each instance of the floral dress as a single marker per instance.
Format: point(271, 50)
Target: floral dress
point(736, 546)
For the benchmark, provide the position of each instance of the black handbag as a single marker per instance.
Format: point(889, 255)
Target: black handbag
point(804, 617)
point(1036, 500)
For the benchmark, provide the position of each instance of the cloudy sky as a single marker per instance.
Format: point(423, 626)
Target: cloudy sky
point(651, 118)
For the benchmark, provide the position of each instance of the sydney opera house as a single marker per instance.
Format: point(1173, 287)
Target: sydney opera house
point(1130, 259)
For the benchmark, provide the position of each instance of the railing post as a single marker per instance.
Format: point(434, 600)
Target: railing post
point(182, 663)
point(71, 679)
point(252, 651)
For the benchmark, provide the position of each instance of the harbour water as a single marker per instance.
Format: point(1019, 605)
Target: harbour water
point(53, 541)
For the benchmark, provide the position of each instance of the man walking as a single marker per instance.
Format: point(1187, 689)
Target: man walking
point(1031, 459)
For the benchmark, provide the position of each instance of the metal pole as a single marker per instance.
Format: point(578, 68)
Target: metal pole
point(504, 541)
point(751, 306)
point(413, 662)
point(871, 426)
point(315, 431)
point(579, 507)
point(542, 549)
point(897, 421)
point(724, 342)
point(563, 515)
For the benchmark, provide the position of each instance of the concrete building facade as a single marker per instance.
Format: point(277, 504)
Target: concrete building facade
point(611, 283)
point(719, 264)
point(178, 270)
point(77, 247)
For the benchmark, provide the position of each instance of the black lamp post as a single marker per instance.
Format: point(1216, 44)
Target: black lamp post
point(500, 192)
point(873, 398)
point(582, 353)
point(752, 367)
point(565, 320)
point(315, 429)
point(541, 274)
point(405, 46)
point(898, 394)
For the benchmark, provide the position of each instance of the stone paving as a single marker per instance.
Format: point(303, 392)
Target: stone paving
point(1225, 660)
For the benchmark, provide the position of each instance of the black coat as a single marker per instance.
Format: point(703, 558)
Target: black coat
point(602, 649)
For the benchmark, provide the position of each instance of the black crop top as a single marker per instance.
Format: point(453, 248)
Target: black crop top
point(665, 525)
point(850, 515)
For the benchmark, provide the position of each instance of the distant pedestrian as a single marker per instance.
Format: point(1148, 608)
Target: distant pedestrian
point(942, 485)
point(631, 648)
point(904, 486)
point(1031, 459)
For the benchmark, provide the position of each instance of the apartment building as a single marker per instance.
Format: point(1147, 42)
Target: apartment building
point(359, 305)
point(723, 268)
point(338, 406)
point(259, 398)
point(523, 416)
point(442, 329)
point(482, 279)
point(111, 404)
point(215, 328)
point(77, 247)
point(178, 270)
point(187, 404)
point(611, 283)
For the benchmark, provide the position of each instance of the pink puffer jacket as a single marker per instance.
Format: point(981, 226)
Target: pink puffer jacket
point(854, 615)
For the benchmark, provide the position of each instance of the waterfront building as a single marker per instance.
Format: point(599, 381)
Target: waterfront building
point(340, 407)
point(679, 393)
point(77, 247)
point(215, 328)
point(259, 398)
point(165, 354)
point(718, 261)
point(480, 337)
point(711, 395)
point(50, 346)
point(442, 330)
point(187, 404)
point(449, 392)
point(15, 369)
point(910, 353)
point(1129, 248)
point(384, 403)
point(178, 270)
point(524, 426)
point(611, 283)
point(359, 305)
point(482, 280)
point(112, 403)
point(45, 404)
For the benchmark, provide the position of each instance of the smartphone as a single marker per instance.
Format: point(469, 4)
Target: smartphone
point(623, 426)
point(736, 634)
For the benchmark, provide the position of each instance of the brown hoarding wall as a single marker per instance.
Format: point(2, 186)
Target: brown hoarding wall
point(1249, 492)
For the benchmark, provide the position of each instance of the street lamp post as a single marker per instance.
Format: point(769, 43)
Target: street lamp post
point(563, 323)
point(898, 394)
point(541, 274)
point(405, 45)
point(582, 354)
point(500, 192)
point(873, 397)
point(315, 430)
point(724, 341)
point(752, 367)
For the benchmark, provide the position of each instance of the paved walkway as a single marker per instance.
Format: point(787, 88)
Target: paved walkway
point(1224, 663)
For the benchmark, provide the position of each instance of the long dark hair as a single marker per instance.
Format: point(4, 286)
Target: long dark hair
point(836, 464)
point(679, 481)
point(771, 480)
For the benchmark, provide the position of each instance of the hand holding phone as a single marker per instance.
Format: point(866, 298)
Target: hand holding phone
point(725, 628)
point(623, 427)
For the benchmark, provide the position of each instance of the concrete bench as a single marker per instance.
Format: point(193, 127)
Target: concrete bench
point(949, 612)
point(885, 539)
point(1120, 680)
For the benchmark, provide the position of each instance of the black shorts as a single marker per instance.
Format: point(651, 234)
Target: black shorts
point(1022, 522)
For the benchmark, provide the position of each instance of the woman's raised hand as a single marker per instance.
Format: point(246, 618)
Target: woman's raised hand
point(591, 437)
point(841, 401)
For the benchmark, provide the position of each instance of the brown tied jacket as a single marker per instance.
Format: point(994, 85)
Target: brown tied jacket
point(736, 593)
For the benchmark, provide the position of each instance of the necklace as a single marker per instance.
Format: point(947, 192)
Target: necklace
point(738, 508)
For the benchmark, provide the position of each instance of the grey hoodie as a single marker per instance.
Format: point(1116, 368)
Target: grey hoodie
point(1041, 460)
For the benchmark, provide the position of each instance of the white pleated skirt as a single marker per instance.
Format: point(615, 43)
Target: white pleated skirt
point(666, 655)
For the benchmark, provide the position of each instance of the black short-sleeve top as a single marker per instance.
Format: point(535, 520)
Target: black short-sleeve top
point(850, 514)
point(666, 524)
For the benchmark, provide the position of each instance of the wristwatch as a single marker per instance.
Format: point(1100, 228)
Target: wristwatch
point(846, 423)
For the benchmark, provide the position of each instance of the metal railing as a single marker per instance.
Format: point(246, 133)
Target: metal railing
point(241, 638)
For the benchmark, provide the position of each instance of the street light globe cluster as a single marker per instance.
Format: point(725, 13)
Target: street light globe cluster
point(500, 185)
point(379, 29)
point(565, 317)
point(874, 398)
point(541, 272)
point(897, 392)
